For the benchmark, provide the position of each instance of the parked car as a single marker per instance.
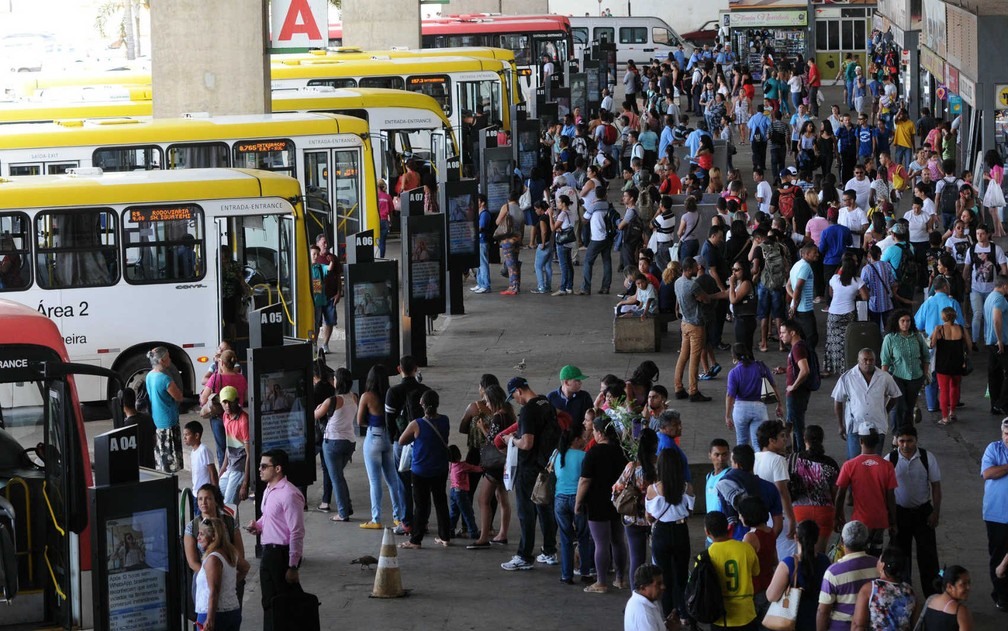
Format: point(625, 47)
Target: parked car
point(706, 34)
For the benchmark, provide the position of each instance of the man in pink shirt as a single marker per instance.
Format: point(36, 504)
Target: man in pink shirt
point(281, 531)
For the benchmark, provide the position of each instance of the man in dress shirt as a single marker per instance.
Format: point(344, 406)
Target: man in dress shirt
point(918, 505)
point(643, 611)
point(862, 395)
point(281, 531)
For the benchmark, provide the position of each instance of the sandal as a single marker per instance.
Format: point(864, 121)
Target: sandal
point(763, 348)
point(596, 588)
point(409, 545)
point(442, 542)
point(338, 518)
point(944, 421)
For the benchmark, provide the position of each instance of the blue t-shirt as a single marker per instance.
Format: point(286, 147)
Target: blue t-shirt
point(164, 409)
point(995, 301)
point(667, 442)
point(569, 472)
point(430, 451)
point(486, 226)
point(713, 503)
point(833, 242)
point(802, 270)
point(845, 138)
point(893, 254)
point(881, 137)
point(864, 136)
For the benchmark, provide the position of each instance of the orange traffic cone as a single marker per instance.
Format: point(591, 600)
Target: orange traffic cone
point(388, 582)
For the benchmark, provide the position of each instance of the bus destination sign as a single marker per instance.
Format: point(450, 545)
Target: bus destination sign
point(161, 213)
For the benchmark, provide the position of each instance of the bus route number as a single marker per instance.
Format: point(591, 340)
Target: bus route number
point(271, 317)
point(365, 241)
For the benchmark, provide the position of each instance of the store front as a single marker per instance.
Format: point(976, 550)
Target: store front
point(755, 28)
point(839, 31)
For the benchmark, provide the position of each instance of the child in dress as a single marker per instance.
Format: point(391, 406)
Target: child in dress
point(459, 501)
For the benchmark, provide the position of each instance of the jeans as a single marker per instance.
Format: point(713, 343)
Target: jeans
point(769, 302)
point(977, 299)
point(230, 483)
point(529, 512)
point(796, 100)
point(849, 84)
point(326, 480)
point(610, 548)
point(797, 404)
point(596, 249)
point(425, 490)
point(687, 248)
point(379, 463)
point(670, 548)
point(747, 417)
point(483, 273)
point(405, 482)
point(337, 455)
point(636, 537)
point(693, 342)
point(383, 231)
point(902, 155)
point(572, 527)
point(460, 504)
point(566, 268)
point(544, 268)
point(902, 412)
point(219, 438)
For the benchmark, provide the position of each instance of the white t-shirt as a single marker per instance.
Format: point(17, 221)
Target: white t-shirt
point(984, 270)
point(597, 220)
point(863, 190)
point(200, 460)
point(855, 220)
point(959, 252)
point(844, 296)
point(888, 242)
point(918, 225)
point(796, 83)
point(764, 192)
point(773, 468)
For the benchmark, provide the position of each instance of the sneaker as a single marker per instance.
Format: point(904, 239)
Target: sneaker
point(559, 292)
point(539, 291)
point(481, 290)
point(509, 292)
point(570, 292)
point(399, 528)
point(681, 394)
point(696, 397)
point(715, 369)
point(707, 376)
point(474, 288)
point(516, 563)
point(547, 559)
point(371, 525)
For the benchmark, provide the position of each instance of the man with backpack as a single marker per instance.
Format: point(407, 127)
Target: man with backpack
point(736, 588)
point(918, 505)
point(759, 130)
point(947, 193)
point(900, 256)
point(402, 405)
point(600, 243)
point(537, 436)
point(778, 137)
point(769, 270)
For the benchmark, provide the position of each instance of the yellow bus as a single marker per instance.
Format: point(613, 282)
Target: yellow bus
point(123, 262)
point(329, 154)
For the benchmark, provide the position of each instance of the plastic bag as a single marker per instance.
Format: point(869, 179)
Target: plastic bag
point(510, 465)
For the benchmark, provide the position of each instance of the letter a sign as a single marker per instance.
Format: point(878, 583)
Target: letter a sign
point(299, 24)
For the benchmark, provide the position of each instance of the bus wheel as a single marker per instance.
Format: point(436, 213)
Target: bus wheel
point(133, 373)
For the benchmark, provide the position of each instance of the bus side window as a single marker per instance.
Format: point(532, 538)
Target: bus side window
point(77, 247)
point(15, 252)
point(164, 244)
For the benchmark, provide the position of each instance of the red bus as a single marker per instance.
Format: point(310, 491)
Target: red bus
point(45, 470)
point(533, 39)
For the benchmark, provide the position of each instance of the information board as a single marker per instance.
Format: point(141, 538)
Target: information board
point(423, 244)
point(372, 316)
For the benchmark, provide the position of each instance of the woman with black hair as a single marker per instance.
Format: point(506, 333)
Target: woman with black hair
point(905, 356)
point(742, 296)
point(947, 611)
point(825, 148)
point(492, 460)
point(378, 461)
point(429, 435)
point(887, 602)
point(813, 477)
point(601, 468)
point(744, 407)
point(668, 504)
point(571, 526)
point(339, 440)
point(844, 290)
point(641, 473)
point(804, 569)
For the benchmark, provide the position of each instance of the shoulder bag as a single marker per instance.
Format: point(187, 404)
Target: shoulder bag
point(783, 614)
point(213, 408)
point(505, 230)
point(545, 485)
point(629, 500)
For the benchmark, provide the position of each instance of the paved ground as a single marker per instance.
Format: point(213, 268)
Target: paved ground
point(458, 589)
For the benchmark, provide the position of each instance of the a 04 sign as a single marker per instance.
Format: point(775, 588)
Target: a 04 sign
point(299, 23)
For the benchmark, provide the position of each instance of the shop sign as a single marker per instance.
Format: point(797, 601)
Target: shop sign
point(1001, 96)
point(967, 90)
point(941, 92)
point(905, 57)
point(952, 79)
point(955, 104)
point(932, 63)
point(760, 19)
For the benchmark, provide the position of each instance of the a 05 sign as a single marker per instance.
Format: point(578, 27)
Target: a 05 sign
point(299, 23)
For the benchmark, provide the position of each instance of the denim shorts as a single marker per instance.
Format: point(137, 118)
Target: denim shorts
point(769, 302)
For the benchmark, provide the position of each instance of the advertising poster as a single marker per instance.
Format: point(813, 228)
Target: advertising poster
point(425, 255)
point(498, 184)
point(138, 570)
point(282, 419)
point(462, 224)
point(372, 319)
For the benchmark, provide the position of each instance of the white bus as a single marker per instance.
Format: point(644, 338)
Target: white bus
point(123, 262)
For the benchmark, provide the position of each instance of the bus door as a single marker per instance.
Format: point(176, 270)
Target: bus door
point(333, 186)
point(43, 492)
point(439, 154)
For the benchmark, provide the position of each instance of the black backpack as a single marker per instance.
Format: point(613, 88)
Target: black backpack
point(906, 275)
point(777, 137)
point(894, 458)
point(948, 197)
point(411, 409)
point(612, 220)
point(757, 136)
point(704, 599)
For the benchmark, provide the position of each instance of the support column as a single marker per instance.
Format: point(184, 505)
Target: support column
point(210, 57)
point(381, 25)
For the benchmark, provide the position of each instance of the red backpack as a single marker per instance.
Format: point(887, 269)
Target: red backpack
point(609, 134)
point(786, 200)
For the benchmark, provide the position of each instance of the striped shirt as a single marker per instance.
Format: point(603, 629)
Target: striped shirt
point(841, 584)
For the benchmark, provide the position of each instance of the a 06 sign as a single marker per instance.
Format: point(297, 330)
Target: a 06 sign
point(299, 23)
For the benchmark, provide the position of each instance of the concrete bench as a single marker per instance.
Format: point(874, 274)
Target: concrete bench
point(633, 335)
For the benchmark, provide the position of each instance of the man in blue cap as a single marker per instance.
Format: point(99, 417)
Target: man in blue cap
point(569, 397)
point(536, 438)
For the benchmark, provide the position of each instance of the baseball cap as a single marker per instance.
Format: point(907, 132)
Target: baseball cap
point(854, 534)
point(864, 429)
point(514, 384)
point(571, 372)
point(899, 228)
point(228, 393)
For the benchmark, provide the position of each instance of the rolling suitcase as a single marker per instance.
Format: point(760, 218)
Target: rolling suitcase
point(295, 611)
point(861, 335)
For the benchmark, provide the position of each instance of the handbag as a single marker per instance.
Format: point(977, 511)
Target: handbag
point(565, 236)
point(525, 200)
point(782, 614)
point(628, 501)
point(767, 394)
point(213, 408)
point(545, 485)
point(505, 229)
point(491, 457)
point(406, 459)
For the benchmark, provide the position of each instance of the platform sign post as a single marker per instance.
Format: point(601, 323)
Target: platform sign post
point(424, 265)
point(462, 230)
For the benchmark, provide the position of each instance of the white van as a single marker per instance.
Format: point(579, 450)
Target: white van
point(640, 39)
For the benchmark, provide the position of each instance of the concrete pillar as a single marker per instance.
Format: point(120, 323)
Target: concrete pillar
point(210, 57)
point(381, 25)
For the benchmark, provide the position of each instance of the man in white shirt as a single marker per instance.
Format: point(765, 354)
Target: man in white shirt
point(864, 395)
point(600, 244)
point(861, 185)
point(853, 216)
point(772, 466)
point(764, 193)
point(643, 611)
point(608, 104)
